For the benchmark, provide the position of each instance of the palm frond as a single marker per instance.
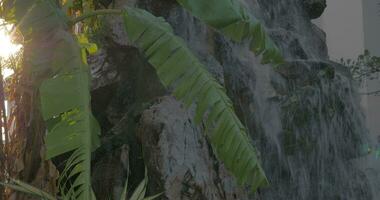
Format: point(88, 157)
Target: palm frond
point(234, 21)
point(177, 67)
point(28, 189)
point(140, 191)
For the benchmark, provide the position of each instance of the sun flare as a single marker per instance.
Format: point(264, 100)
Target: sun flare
point(7, 48)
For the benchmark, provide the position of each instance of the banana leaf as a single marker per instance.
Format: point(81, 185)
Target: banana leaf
point(233, 20)
point(54, 57)
point(178, 68)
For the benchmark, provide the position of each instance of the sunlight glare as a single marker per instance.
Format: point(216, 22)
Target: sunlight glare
point(7, 48)
point(7, 72)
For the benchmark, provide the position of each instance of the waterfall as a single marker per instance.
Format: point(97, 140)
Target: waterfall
point(304, 117)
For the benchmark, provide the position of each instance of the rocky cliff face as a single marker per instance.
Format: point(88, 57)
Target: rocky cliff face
point(303, 117)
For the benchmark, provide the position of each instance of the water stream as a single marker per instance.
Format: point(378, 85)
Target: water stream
point(305, 117)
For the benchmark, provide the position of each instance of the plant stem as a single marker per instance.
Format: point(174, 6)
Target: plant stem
point(95, 13)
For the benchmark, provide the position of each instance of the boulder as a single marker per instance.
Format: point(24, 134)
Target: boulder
point(315, 8)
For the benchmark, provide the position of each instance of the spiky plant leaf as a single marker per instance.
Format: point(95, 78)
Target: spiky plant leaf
point(234, 21)
point(124, 194)
point(177, 67)
point(27, 189)
point(64, 79)
point(139, 193)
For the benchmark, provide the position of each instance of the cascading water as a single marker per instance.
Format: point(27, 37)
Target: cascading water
point(304, 117)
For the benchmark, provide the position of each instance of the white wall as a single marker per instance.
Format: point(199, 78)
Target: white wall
point(371, 17)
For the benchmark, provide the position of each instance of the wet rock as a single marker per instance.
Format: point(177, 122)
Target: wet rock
point(303, 117)
point(315, 8)
point(178, 156)
point(110, 172)
point(103, 73)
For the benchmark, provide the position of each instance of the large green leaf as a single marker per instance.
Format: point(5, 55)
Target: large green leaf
point(72, 129)
point(177, 67)
point(65, 102)
point(233, 20)
point(53, 55)
point(66, 85)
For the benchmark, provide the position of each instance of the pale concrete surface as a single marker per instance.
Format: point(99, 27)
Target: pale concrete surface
point(371, 19)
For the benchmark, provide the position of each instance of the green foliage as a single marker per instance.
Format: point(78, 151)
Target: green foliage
point(77, 5)
point(65, 101)
point(64, 89)
point(28, 189)
point(365, 66)
point(138, 194)
point(140, 191)
point(233, 20)
point(177, 67)
point(65, 95)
